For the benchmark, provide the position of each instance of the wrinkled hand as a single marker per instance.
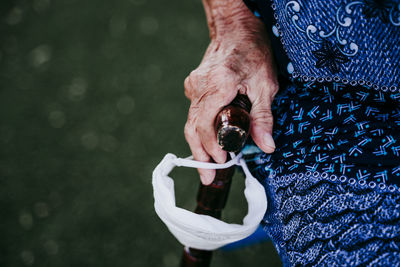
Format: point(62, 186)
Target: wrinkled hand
point(237, 63)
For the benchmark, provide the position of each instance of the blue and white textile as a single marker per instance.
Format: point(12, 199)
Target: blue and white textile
point(333, 183)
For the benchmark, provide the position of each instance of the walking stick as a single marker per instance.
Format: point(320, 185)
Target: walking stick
point(232, 126)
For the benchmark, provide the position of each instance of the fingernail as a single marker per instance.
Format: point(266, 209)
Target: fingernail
point(269, 141)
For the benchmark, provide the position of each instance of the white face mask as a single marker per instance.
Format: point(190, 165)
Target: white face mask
point(203, 231)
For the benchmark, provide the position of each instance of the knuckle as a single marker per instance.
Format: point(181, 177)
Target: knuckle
point(189, 81)
point(189, 131)
point(206, 95)
point(186, 83)
point(193, 76)
point(273, 90)
point(193, 73)
point(216, 97)
point(262, 114)
point(188, 87)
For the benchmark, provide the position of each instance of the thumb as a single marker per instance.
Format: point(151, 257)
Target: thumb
point(261, 123)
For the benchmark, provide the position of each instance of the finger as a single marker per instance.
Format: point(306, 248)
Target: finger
point(198, 152)
point(208, 138)
point(261, 124)
point(205, 125)
point(209, 141)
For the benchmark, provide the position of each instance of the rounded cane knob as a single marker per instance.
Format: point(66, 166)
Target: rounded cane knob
point(232, 124)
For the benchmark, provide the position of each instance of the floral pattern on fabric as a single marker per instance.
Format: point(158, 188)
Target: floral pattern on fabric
point(363, 36)
point(329, 56)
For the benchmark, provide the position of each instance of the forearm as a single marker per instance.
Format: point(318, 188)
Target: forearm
point(230, 16)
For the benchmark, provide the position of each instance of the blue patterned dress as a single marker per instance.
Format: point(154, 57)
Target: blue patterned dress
point(333, 183)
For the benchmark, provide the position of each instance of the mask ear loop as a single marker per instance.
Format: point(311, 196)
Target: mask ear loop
point(235, 160)
point(189, 162)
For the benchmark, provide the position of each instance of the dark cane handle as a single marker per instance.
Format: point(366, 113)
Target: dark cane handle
point(232, 124)
point(232, 128)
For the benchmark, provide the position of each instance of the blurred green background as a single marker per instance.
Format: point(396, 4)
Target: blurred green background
point(91, 98)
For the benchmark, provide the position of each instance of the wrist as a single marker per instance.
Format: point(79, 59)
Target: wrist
point(231, 17)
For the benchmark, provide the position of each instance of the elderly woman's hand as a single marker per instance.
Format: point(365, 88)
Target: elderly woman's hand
point(238, 59)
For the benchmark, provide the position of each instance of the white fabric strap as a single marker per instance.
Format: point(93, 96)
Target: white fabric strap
point(203, 231)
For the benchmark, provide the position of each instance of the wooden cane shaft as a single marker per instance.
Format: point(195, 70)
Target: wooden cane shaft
point(212, 199)
point(196, 258)
point(232, 127)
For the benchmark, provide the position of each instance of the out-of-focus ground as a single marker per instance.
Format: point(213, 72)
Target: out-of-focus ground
point(91, 98)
